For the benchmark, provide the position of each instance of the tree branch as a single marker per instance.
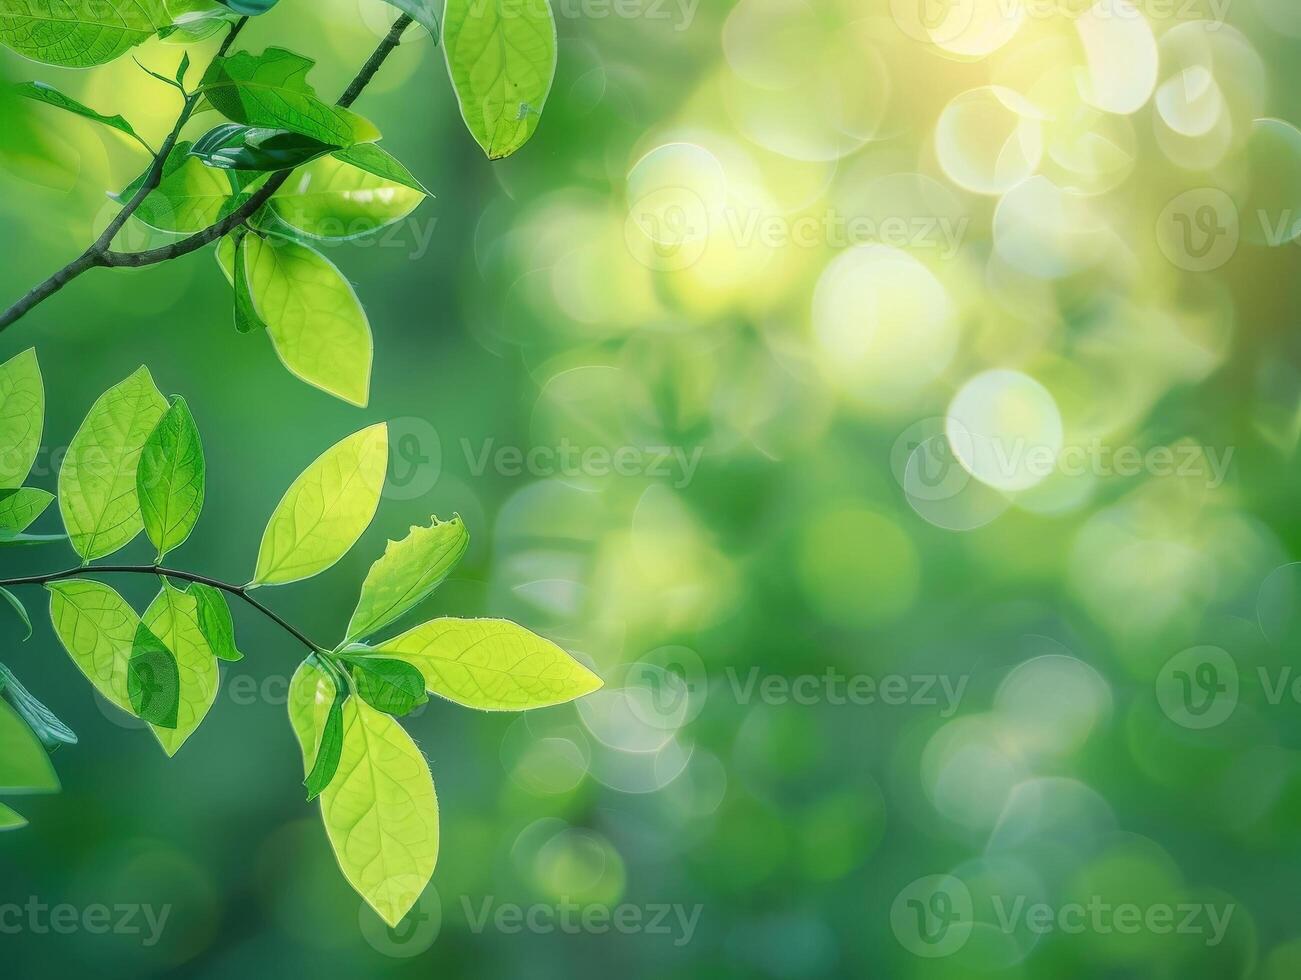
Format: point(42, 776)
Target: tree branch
point(99, 253)
point(159, 571)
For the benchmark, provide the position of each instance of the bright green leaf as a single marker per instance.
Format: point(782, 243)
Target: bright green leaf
point(189, 198)
point(97, 628)
point(271, 89)
point(174, 618)
point(332, 199)
point(18, 508)
point(21, 610)
point(48, 728)
point(501, 55)
point(78, 33)
point(153, 680)
point(312, 315)
point(215, 621)
point(329, 750)
point(11, 819)
point(22, 416)
point(41, 92)
point(406, 574)
point(233, 260)
point(326, 509)
point(380, 812)
point(97, 485)
point(312, 695)
point(374, 159)
point(24, 766)
point(170, 478)
point(392, 686)
point(490, 664)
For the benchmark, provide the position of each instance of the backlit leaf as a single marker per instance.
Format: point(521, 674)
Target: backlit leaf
point(22, 416)
point(233, 259)
point(406, 574)
point(215, 621)
point(490, 664)
point(326, 509)
point(97, 484)
point(312, 315)
point(153, 680)
point(189, 198)
point(41, 92)
point(332, 199)
point(21, 610)
point(313, 700)
point(78, 33)
point(170, 479)
point(174, 618)
point(388, 685)
point(501, 55)
point(98, 629)
point(18, 508)
point(24, 766)
point(376, 160)
point(380, 812)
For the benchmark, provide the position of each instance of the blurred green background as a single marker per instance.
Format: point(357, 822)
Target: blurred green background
point(826, 276)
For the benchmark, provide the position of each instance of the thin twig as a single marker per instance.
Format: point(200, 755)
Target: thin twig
point(100, 254)
point(159, 571)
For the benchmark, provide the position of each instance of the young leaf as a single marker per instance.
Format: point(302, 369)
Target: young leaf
point(391, 686)
point(312, 315)
point(326, 509)
point(22, 416)
point(189, 198)
point(41, 92)
point(331, 199)
point(18, 508)
point(376, 160)
point(153, 680)
point(380, 812)
point(271, 89)
point(406, 574)
point(215, 621)
point(231, 146)
point(490, 664)
point(313, 697)
point(173, 616)
point(21, 610)
point(233, 259)
point(97, 484)
point(98, 629)
point(78, 33)
point(24, 766)
point(170, 479)
point(328, 751)
point(48, 728)
point(501, 55)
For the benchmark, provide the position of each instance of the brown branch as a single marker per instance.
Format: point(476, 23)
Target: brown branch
point(100, 253)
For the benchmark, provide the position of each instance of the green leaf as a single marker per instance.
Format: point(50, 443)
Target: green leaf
point(501, 55)
point(174, 618)
point(189, 198)
point(315, 699)
point(271, 89)
point(11, 539)
point(194, 20)
point(215, 621)
point(24, 766)
point(22, 416)
point(380, 812)
point(11, 819)
point(153, 680)
point(78, 33)
point(18, 508)
point(98, 629)
point(328, 751)
point(331, 199)
point(376, 160)
point(312, 315)
point(391, 686)
point(407, 574)
point(97, 484)
point(326, 509)
point(233, 260)
point(250, 7)
point(490, 664)
point(170, 478)
point(21, 610)
point(422, 12)
point(48, 728)
point(41, 92)
point(232, 146)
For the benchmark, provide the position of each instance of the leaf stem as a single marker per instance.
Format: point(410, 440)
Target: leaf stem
point(100, 253)
point(159, 571)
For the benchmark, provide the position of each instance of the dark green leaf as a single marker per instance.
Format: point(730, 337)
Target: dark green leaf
point(250, 8)
point(9, 539)
point(329, 750)
point(153, 680)
point(215, 621)
point(391, 686)
point(41, 92)
point(235, 147)
point(48, 728)
point(183, 67)
point(21, 610)
point(422, 12)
